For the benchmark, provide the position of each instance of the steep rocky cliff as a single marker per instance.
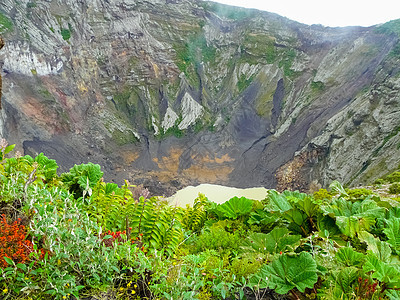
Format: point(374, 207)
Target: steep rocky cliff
point(170, 93)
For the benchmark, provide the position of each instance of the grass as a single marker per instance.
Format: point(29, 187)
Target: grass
point(390, 27)
point(317, 86)
point(264, 103)
point(123, 138)
point(244, 82)
point(287, 62)
point(191, 54)
point(174, 130)
point(258, 48)
point(5, 24)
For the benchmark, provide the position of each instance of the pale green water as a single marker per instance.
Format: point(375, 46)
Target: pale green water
point(215, 193)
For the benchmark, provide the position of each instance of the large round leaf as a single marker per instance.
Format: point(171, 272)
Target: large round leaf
point(287, 272)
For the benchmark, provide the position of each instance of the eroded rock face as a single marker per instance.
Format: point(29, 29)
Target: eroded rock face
point(172, 93)
point(1, 81)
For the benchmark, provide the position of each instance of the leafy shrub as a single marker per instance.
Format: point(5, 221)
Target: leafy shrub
point(216, 238)
point(78, 257)
point(194, 217)
point(380, 249)
point(41, 167)
point(317, 86)
point(5, 149)
point(379, 181)
point(386, 273)
point(46, 167)
point(350, 217)
point(323, 194)
point(108, 205)
point(233, 209)
point(349, 257)
point(359, 194)
point(393, 177)
point(394, 188)
point(13, 243)
point(81, 179)
point(17, 175)
point(159, 223)
point(299, 209)
point(341, 284)
point(286, 273)
point(390, 178)
point(246, 265)
point(276, 241)
point(392, 232)
point(263, 218)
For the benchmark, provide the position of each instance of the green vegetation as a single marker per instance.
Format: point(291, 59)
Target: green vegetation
point(191, 54)
point(264, 103)
point(389, 178)
point(194, 51)
point(123, 137)
point(396, 50)
point(390, 27)
point(287, 61)
point(394, 188)
point(244, 82)
point(317, 86)
point(5, 24)
point(258, 48)
point(31, 4)
point(394, 132)
point(359, 193)
point(66, 34)
point(76, 236)
point(174, 130)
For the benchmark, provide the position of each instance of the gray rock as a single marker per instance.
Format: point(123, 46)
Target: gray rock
point(250, 98)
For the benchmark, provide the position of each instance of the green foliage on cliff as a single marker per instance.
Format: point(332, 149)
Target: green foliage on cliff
point(244, 82)
point(390, 27)
point(317, 86)
point(66, 34)
point(258, 48)
point(287, 61)
point(5, 24)
point(193, 52)
point(31, 4)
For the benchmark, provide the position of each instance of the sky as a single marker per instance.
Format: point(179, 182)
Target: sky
point(327, 12)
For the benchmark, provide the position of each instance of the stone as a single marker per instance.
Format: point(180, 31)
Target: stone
point(257, 99)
